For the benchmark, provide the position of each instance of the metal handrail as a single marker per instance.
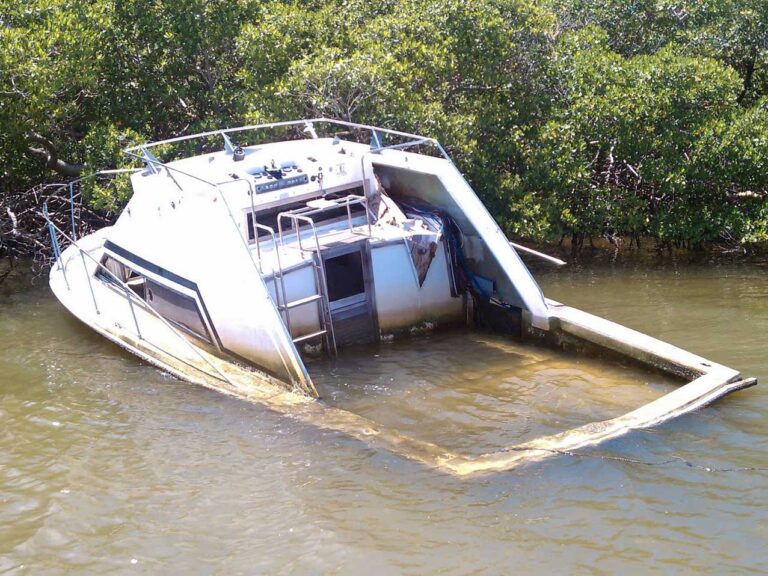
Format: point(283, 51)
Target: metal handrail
point(215, 186)
point(283, 292)
point(55, 243)
point(346, 202)
point(351, 199)
point(129, 294)
point(106, 172)
point(323, 279)
point(404, 145)
point(70, 186)
point(294, 218)
point(308, 123)
point(309, 127)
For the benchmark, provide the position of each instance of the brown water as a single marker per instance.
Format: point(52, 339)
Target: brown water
point(109, 466)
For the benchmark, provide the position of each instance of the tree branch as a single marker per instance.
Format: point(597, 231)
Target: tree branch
point(50, 155)
point(745, 195)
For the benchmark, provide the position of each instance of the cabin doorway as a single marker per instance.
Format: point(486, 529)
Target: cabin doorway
point(349, 285)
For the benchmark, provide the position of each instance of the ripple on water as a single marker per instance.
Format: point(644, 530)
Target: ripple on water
point(145, 473)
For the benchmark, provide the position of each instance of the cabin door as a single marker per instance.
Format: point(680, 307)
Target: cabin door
point(349, 285)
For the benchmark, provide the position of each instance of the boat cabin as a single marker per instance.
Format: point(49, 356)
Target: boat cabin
point(268, 251)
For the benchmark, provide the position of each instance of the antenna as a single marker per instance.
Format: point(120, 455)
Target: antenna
point(229, 148)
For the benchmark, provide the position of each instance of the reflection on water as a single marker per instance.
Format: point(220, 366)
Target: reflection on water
point(108, 465)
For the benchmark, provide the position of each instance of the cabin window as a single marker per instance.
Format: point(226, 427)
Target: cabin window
point(179, 309)
point(137, 283)
point(344, 276)
point(133, 279)
point(118, 269)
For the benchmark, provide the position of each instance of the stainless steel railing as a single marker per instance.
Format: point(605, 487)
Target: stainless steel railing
point(130, 296)
point(156, 166)
point(309, 129)
point(70, 186)
point(320, 278)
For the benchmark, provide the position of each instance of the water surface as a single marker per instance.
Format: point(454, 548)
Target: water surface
point(109, 465)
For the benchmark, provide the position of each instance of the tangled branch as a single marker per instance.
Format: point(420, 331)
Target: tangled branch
point(23, 230)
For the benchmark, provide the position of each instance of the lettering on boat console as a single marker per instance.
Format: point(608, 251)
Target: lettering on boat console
point(279, 184)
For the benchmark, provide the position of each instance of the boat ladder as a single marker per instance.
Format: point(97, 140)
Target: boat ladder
point(296, 218)
point(324, 309)
point(285, 306)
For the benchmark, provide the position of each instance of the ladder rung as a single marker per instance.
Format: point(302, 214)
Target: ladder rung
point(301, 302)
point(309, 336)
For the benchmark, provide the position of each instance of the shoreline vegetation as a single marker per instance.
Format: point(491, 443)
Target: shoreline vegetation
point(624, 125)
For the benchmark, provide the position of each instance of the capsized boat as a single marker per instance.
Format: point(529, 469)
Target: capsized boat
point(229, 265)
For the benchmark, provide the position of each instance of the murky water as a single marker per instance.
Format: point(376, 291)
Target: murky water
point(109, 466)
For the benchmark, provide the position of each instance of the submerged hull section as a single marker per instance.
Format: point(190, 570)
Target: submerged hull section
point(160, 345)
point(225, 267)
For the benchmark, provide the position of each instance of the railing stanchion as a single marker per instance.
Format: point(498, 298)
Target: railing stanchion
point(133, 312)
point(282, 293)
point(55, 244)
point(72, 209)
point(90, 286)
